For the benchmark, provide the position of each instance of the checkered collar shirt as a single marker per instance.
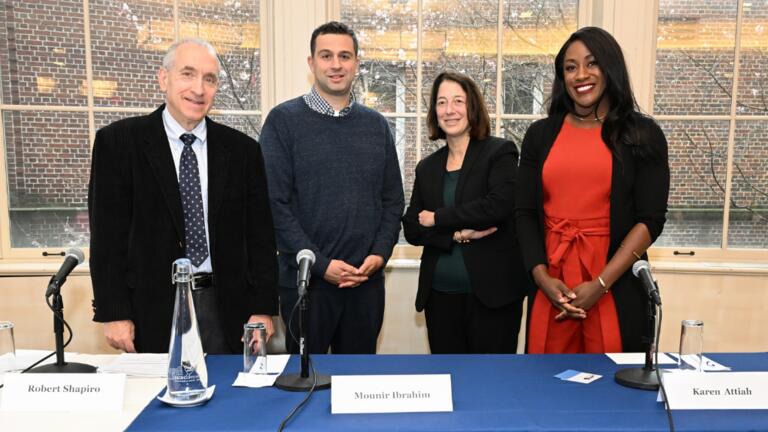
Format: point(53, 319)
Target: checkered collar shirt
point(316, 102)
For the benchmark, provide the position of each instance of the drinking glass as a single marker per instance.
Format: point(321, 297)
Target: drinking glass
point(7, 347)
point(255, 348)
point(691, 345)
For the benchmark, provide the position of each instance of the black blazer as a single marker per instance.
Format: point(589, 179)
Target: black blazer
point(484, 198)
point(137, 228)
point(639, 192)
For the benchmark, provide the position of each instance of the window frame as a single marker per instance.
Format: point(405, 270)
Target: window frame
point(723, 253)
point(634, 24)
point(284, 35)
point(9, 254)
point(586, 10)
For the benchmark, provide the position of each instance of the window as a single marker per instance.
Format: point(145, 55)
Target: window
point(66, 72)
point(712, 102)
point(506, 46)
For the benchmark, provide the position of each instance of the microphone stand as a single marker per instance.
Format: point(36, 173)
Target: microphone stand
point(643, 378)
point(303, 381)
point(57, 305)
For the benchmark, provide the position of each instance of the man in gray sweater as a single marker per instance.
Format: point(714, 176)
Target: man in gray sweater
point(335, 189)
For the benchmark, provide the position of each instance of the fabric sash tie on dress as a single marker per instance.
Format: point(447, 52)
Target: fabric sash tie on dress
point(577, 251)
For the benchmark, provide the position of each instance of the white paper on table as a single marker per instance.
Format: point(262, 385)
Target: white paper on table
point(254, 380)
point(139, 365)
point(23, 359)
point(637, 358)
point(583, 378)
point(708, 365)
point(275, 365)
point(26, 358)
point(8, 362)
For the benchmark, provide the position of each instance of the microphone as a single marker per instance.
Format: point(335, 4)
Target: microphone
point(302, 381)
point(305, 259)
point(642, 270)
point(72, 258)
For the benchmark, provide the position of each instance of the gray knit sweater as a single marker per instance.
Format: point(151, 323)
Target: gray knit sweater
point(334, 186)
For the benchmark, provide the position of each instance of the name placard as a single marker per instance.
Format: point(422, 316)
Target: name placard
point(63, 392)
point(355, 394)
point(722, 390)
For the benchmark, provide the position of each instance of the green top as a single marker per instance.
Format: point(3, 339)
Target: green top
point(450, 272)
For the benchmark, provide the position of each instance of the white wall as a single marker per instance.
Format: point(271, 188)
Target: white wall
point(731, 300)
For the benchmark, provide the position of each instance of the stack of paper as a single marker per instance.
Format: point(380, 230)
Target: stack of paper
point(139, 365)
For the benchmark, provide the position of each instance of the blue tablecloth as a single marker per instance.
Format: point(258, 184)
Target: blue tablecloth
point(490, 392)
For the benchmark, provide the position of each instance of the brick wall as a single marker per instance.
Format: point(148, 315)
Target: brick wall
point(127, 43)
point(48, 158)
point(388, 78)
point(42, 62)
point(43, 52)
point(692, 81)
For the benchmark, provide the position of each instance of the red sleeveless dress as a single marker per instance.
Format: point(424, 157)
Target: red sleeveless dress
point(576, 180)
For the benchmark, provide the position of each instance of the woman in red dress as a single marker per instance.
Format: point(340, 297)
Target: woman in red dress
point(591, 198)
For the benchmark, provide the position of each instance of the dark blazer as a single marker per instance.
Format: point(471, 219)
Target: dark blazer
point(484, 198)
point(137, 228)
point(639, 191)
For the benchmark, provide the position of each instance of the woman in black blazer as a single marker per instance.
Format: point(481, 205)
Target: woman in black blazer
point(591, 92)
point(471, 281)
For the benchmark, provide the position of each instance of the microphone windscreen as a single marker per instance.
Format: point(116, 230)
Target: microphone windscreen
point(639, 265)
point(305, 253)
point(76, 254)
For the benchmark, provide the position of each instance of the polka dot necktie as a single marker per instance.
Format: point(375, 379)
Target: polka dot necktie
point(192, 203)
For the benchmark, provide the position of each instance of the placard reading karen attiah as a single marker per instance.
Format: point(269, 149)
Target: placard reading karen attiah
point(717, 390)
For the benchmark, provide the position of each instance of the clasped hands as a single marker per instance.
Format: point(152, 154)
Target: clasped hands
point(573, 304)
point(427, 220)
point(345, 275)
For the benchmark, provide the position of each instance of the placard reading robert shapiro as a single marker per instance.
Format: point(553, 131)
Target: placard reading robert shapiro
point(63, 392)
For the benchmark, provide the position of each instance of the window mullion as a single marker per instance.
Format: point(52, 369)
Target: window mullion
point(499, 67)
point(5, 216)
point(732, 127)
point(89, 71)
point(419, 72)
point(176, 24)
